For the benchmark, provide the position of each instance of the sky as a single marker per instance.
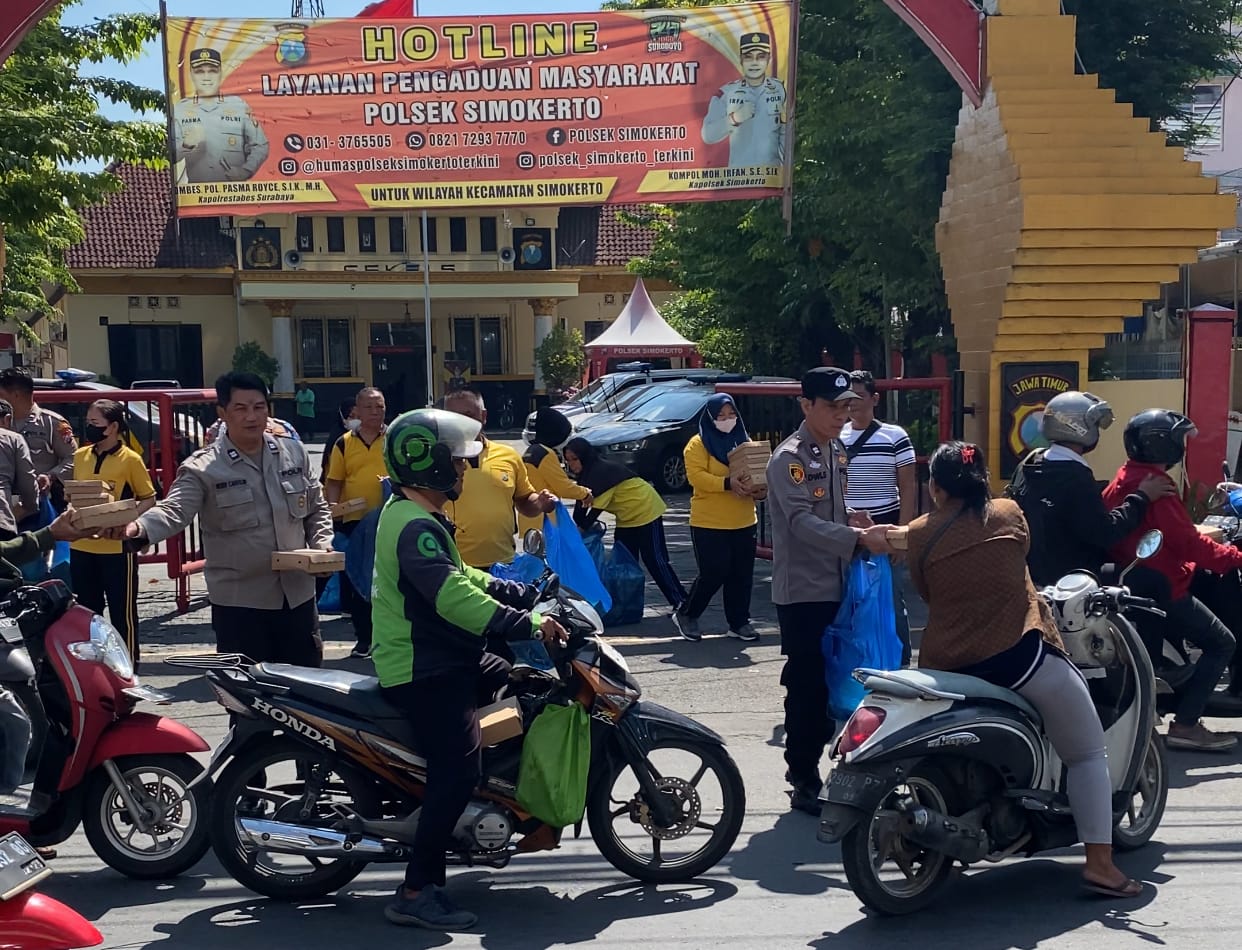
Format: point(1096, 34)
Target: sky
point(147, 71)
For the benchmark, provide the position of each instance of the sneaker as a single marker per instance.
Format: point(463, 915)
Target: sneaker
point(431, 909)
point(686, 626)
point(1198, 738)
point(359, 652)
point(745, 632)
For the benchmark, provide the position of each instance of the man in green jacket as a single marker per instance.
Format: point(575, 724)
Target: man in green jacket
point(432, 618)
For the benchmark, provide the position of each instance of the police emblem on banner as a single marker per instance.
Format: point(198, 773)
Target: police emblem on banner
point(260, 248)
point(534, 247)
point(291, 44)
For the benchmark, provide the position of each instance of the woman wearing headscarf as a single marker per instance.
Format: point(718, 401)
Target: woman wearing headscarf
point(543, 465)
point(638, 507)
point(722, 522)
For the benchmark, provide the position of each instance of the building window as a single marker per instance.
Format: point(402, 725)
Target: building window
point(478, 341)
point(593, 328)
point(1206, 117)
point(431, 235)
point(463, 341)
point(490, 362)
point(457, 235)
point(487, 235)
point(396, 235)
point(336, 235)
point(366, 235)
point(306, 234)
point(326, 347)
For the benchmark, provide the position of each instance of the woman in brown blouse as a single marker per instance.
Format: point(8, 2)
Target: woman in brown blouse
point(968, 561)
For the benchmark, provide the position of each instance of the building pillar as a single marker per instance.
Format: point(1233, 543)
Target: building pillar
point(1209, 385)
point(282, 344)
point(544, 309)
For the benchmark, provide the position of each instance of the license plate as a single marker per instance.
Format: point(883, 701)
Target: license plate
point(20, 866)
point(148, 693)
point(847, 787)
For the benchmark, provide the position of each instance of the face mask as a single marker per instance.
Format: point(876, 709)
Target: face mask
point(95, 433)
point(726, 425)
point(353, 425)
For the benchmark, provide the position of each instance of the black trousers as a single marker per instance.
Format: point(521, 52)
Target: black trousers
point(357, 606)
point(443, 711)
point(808, 727)
point(287, 635)
point(647, 543)
point(112, 579)
point(726, 558)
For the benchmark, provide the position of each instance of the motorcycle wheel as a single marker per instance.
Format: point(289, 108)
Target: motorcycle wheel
point(279, 765)
point(621, 823)
point(159, 783)
point(875, 842)
point(1146, 806)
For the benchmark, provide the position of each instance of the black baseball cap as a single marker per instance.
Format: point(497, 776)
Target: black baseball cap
point(830, 383)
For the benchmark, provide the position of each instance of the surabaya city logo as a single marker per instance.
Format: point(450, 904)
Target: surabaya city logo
point(664, 34)
point(291, 44)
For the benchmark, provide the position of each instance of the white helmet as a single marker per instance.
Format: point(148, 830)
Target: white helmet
point(1075, 418)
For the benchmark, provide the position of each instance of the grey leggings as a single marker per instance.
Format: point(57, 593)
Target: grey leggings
point(1071, 723)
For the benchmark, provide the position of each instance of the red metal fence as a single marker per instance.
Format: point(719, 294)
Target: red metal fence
point(923, 407)
point(169, 425)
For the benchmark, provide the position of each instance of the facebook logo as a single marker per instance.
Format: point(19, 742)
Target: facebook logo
point(555, 136)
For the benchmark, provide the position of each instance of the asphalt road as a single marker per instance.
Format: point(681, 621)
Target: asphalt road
point(779, 888)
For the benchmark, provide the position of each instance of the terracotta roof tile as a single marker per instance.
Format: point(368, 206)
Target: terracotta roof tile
point(619, 242)
point(134, 229)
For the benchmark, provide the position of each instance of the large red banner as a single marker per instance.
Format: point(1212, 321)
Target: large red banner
point(350, 115)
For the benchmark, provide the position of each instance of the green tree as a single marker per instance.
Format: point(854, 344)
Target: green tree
point(252, 358)
point(875, 121)
point(562, 357)
point(695, 315)
point(50, 124)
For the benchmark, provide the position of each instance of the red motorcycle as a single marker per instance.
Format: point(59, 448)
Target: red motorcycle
point(125, 776)
point(30, 921)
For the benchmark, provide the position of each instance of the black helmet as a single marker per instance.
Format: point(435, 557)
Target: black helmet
point(1158, 436)
point(420, 445)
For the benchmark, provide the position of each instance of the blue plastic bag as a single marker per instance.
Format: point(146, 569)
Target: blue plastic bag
point(568, 556)
point(360, 551)
point(593, 541)
point(627, 584)
point(864, 633)
point(525, 569)
point(330, 599)
point(36, 571)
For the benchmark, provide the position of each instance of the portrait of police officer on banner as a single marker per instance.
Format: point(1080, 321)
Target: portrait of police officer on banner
point(750, 112)
point(215, 136)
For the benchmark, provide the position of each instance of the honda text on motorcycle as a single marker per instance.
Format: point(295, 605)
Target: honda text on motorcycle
point(323, 776)
point(123, 775)
point(935, 768)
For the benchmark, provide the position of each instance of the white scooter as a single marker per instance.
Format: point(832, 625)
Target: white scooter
point(934, 768)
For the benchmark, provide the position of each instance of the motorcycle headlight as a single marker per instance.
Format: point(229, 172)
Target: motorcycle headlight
point(105, 646)
point(633, 446)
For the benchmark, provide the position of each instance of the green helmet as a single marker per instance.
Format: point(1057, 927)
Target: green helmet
point(420, 445)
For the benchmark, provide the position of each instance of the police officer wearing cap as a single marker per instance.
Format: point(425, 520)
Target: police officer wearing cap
point(253, 494)
point(750, 112)
point(813, 539)
point(217, 137)
point(48, 436)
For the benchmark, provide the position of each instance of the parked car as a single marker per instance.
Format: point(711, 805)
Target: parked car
point(601, 395)
point(625, 401)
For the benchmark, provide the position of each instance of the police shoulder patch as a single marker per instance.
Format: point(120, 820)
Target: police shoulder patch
point(796, 473)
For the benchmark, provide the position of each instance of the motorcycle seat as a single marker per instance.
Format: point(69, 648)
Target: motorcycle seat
point(354, 693)
point(935, 683)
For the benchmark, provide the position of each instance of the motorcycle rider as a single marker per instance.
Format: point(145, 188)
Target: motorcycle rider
point(432, 616)
point(1071, 528)
point(1155, 441)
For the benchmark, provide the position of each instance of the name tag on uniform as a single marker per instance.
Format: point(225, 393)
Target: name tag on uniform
point(233, 484)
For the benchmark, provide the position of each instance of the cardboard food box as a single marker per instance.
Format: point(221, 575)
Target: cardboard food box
point(86, 485)
point(751, 458)
point(108, 515)
point(88, 500)
point(1211, 531)
point(500, 721)
point(343, 508)
point(899, 537)
point(309, 560)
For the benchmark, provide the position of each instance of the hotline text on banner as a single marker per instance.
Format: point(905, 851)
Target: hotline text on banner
point(351, 115)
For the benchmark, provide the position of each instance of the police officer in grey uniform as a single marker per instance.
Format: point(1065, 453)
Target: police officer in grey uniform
point(48, 435)
point(253, 494)
point(750, 112)
point(813, 539)
point(19, 489)
point(217, 137)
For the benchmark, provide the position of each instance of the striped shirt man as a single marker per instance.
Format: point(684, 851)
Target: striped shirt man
point(882, 478)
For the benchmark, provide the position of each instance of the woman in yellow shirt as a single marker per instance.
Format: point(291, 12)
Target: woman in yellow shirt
point(101, 571)
point(543, 465)
point(722, 522)
point(638, 507)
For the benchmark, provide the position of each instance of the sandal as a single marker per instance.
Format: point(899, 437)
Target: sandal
point(1127, 890)
point(47, 854)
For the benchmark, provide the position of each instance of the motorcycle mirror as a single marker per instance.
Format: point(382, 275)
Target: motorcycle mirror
point(532, 542)
point(1148, 545)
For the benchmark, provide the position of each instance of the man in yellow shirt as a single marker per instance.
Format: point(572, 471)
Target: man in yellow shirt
point(496, 483)
point(356, 469)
